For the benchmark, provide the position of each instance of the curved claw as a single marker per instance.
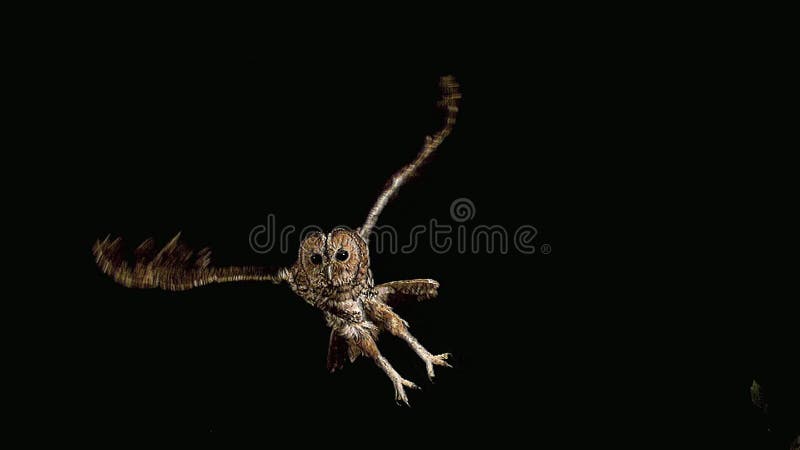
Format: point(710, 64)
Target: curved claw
point(410, 385)
point(399, 391)
point(438, 360)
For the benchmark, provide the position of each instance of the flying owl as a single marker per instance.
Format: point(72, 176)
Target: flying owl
point(332, 273)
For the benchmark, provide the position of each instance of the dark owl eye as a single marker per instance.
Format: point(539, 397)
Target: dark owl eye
point(342, 254)
point(316, 258)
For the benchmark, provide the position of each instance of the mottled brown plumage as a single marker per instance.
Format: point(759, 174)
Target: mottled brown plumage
point(332, 273)
point(173, 268)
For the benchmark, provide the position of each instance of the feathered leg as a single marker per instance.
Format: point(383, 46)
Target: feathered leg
point(367, 346)
point(426, 356)
point(387, 319)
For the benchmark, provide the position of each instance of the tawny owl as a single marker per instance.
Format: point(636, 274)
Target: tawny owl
point(332, 273)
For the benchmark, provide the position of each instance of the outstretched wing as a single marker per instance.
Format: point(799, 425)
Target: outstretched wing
point(449, 102)
point(395, 292)
point(174, 268)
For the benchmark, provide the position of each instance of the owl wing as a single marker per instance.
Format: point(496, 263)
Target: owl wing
point(449, 102)
point(174, 268)
point(395, 292)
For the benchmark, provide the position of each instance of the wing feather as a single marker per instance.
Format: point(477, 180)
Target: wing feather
point(396, 292)
point(174, 268)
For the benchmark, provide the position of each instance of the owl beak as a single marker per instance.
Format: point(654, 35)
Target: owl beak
point(330, 272)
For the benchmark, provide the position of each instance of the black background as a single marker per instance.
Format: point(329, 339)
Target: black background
point(580, 345)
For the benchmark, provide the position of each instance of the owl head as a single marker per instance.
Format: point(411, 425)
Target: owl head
point(340, 258)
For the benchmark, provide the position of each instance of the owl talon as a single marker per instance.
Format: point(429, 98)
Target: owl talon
point(410, 385)
point(400, 394)
point(438, 360)
point(399, 389)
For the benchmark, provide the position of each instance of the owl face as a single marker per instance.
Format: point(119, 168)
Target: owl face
point(339, 258)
